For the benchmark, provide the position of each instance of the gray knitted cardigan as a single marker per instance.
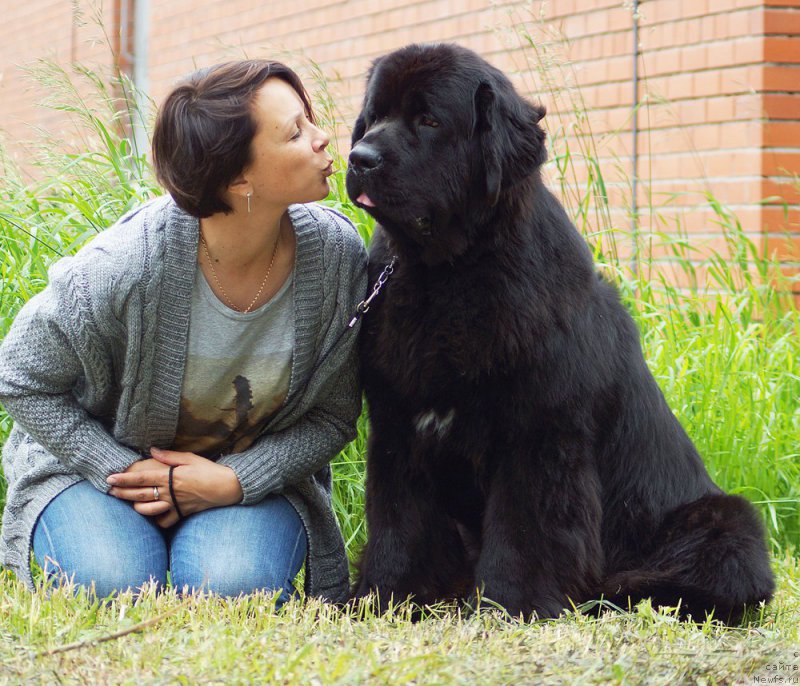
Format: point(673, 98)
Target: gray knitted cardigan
point(92, 368)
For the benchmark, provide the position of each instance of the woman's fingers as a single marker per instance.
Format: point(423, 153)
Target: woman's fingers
point(141, 495)
point(148, 464)
point(173, 458)
point(152, 508)
point(167, 519)
point(149, 467)
point(139, 479)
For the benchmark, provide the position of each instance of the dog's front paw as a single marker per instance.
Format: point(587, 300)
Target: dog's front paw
point(364, 604)
point(476, 603)
point(515, 603)
point(370, 601)
point(361, 590)
point(366, 598)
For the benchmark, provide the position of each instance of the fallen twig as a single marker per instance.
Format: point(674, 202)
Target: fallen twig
point(110, 637)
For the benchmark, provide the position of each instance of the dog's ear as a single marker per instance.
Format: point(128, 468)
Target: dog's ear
point(360, 127)
point(511, 141)
point(484, 119)
point(358, 130)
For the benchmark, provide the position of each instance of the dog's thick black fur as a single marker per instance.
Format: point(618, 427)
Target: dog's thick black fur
point(518, 442)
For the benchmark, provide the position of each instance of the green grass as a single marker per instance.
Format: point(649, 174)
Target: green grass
point(208, 640)
point(725, 352)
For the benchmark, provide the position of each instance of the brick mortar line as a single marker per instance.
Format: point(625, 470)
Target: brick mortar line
point(624, 182)
point(664, 75)
point(746, 178)
point(708, 291)
point(586, 36)
point(708, 236)
point(794, 65)
point(712, 152)
point(672, 211)
point(598, 108)
point(644, 52)
point(643, 14)
point(647, 76)
point(698, 155)
point(719, 69)
point(625, 211)
point(660, 49)
point(627, 106)
point(711, 234)
point(698, 261)
point(644, 25)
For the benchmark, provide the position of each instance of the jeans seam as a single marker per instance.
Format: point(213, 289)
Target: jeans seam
point(46, 532)
point(290, 581)
point(50, 566)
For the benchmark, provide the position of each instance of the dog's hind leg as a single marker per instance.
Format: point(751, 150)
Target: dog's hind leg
point(708, 556)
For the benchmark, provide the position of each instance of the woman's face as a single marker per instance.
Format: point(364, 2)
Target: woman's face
point(289, 164)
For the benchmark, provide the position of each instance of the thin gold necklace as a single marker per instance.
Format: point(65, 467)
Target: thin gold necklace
point(228, 301)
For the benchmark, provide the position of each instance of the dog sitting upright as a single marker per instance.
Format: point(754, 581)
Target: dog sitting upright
point(519, 443)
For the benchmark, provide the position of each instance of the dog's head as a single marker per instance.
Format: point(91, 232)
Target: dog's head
point(441, 136)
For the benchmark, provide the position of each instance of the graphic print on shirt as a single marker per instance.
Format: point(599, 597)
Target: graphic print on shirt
point(218, 413)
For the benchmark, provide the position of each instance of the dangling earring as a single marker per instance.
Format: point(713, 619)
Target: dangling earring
point(249, 209)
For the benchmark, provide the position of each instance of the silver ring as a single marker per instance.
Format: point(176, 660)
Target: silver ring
point(155, 493)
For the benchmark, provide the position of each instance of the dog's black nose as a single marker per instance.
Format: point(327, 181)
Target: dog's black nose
point(363, 156)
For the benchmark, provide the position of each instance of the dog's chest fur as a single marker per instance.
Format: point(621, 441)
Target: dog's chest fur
point(435, 338)
point(433, 345)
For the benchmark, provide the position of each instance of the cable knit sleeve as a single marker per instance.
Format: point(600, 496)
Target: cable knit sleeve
point(51, 354)
point(333, 396)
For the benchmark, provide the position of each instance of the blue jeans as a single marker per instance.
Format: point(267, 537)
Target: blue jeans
point(98, 539)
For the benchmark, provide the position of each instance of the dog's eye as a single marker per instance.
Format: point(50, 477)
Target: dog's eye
point(427, 120)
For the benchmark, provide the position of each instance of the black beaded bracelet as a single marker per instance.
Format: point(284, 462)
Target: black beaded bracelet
point(172, 495)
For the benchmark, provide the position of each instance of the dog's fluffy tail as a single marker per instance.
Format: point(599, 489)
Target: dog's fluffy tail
point(709, 557)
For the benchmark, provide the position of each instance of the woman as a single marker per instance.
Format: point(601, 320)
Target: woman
point(181, 385)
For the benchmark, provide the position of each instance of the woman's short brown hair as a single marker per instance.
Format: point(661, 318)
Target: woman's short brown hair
point(204, 128)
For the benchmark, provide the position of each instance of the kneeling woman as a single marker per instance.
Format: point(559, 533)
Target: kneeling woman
point(180, 387)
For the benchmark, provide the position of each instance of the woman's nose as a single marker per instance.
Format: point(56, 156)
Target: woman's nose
point(322, 140)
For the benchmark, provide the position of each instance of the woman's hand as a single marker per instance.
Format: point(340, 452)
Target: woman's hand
point(199, 484)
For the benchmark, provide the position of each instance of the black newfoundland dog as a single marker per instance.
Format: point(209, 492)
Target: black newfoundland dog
point(519, 445)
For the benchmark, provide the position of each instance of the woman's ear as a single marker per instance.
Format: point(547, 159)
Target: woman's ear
point(238, 192)
point(240, 186)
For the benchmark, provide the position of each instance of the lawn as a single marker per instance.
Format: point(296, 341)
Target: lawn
point(208, 640)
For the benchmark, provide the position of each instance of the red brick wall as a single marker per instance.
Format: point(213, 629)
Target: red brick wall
point(719, 97)
point(42, 29)
point(719, 113)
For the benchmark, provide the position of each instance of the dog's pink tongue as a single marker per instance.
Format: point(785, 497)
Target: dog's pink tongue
point(364, 200)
